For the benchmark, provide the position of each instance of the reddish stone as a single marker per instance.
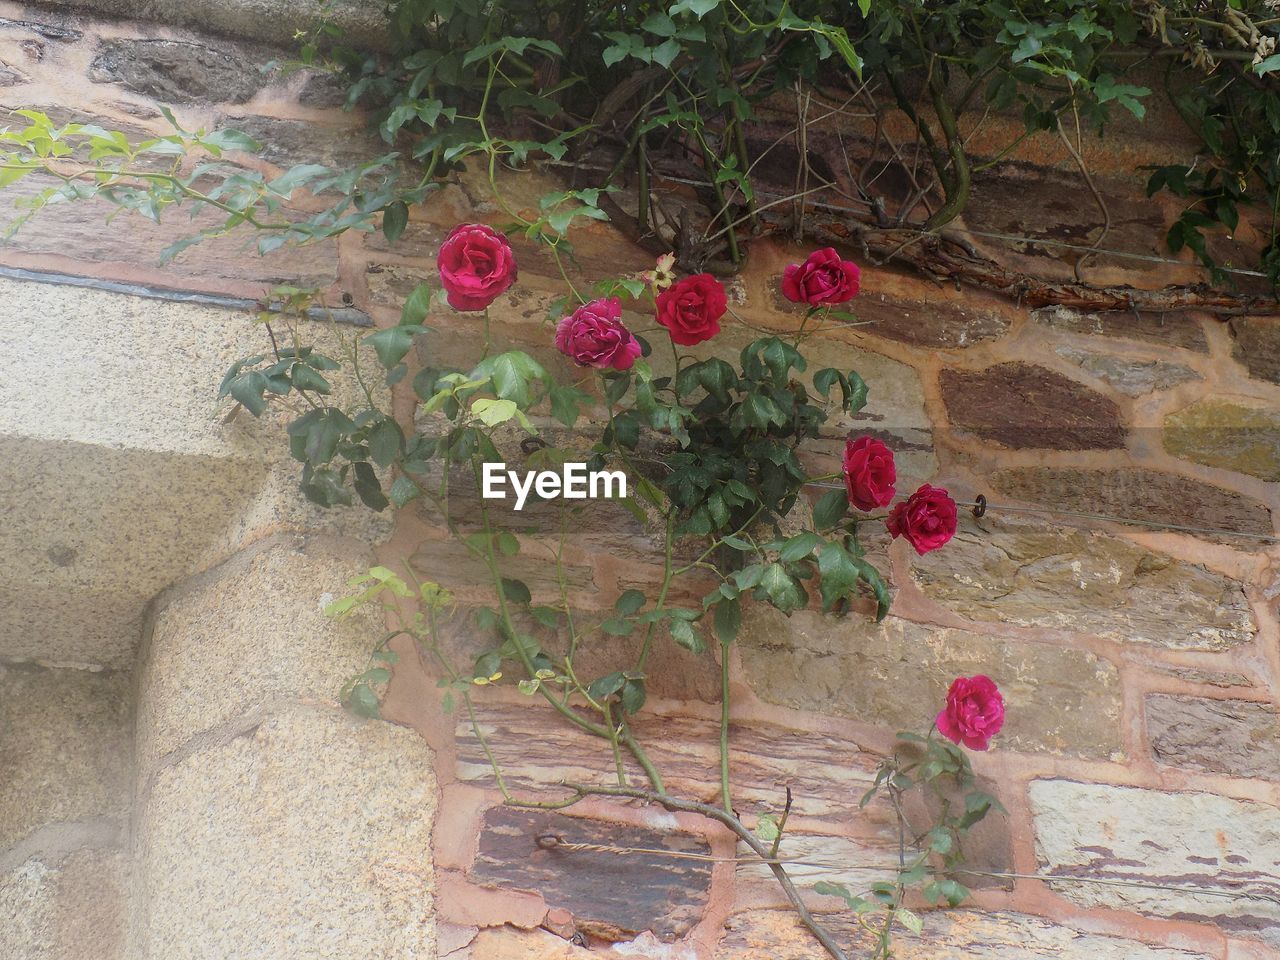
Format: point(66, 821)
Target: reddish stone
point(1239, 738)
point(1257, 346)
point(1165, 329)
point(1024, 406)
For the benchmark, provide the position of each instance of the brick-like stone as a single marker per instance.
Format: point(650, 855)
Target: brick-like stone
point(939, 324)
point(251, 632)
point(1257, 346)
point(896, 673)
point(1190, 842)
point(612, 895)
point(1142, 495)
point(1005, 569)
point(289, 142)
point(1133, 378)
point(1238, 435)
point(308, 835)
point(827, 774)
point(1167, 330)
point(1020, 405)
point(64, 748)
point(176, 71)
point(947, 935)
point(1239, 738)
point(68, 907)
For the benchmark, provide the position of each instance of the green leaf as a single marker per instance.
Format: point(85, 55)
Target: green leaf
point(686, 635)
point(629, 602)
point(910, 920)
point(781, 589)
point(617, 627)
point(633, 695)
point(515, 590)
point(508, 544)
point(392, 344)
point(416, 306)
point(606, 686)
point(511, 373)
point(830, 509)
point(767, 827)
point(839, 574)
point(728, 620)
point(385, 442)
point(394, 219)
point(363, 701)
point(801, 545)
point(403, 490)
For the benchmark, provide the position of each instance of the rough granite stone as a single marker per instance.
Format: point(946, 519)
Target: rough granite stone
point(1146, 496)
point(250, 632)
point(1239, 738)
point(1020, 406)
point(307, 836)
point(1133, 378)
point(896, 674)
point(1238, 435)
point(68, 907)
point(1167, 330)
point(947, 935)
point(1185, 840)
point(1005, 569)
point(64, 748)
point(176, 71)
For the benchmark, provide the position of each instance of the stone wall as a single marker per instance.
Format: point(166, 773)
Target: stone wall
point(177, 779)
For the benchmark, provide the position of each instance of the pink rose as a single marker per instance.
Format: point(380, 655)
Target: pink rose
point(822, 279)
point(691, 310)
point(974, 712)
point(927, 519)
point(476, 265)
point(594, 336)
point(869, 473)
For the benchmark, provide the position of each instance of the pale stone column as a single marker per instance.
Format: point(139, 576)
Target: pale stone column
point(269, 822)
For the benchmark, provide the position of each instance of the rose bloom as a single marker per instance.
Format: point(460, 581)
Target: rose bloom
point(594, 336)
point(869, 473)
point(476, 266)
point(974, 712)
point(691, 309)
point(927, 519)
point(822, 279)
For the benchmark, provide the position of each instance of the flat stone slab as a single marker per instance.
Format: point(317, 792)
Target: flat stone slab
point(1200, 845)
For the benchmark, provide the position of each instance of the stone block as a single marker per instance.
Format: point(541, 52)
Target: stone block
point(947, 935)
point(896, 674)
point(942, 324)
point(1238, 738)
point(1133, 378)
point(1167, 330)
point(64, 748)
point(1149, 497)
point(1256, 345)
point(69, 907)
point(307, 836)
point(176, 71)
point(639, 882)
point(1005, 569)
point(1212, 859)
point(247, 634)
point(1230, 434)
point(1020, 406)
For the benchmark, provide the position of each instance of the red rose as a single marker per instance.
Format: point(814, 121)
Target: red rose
point(594, 336)
point(822, 279)
point(869, 473)
point(691, 310)
point(974, 712)
point(927, 519)
point(476, 266)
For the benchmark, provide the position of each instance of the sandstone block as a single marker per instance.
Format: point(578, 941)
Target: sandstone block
point(1167, 330)
point(1133, 378)
point(1239, 738)
point(1238, 435)
point(897, 673)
